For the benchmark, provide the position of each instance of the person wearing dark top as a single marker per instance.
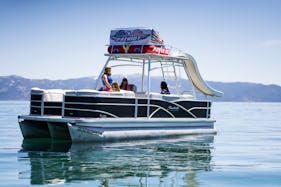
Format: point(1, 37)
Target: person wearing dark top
point(124, 84)
point(106, 79)
point(164, 88)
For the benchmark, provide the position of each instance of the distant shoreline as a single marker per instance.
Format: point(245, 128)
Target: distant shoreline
point(17, 88)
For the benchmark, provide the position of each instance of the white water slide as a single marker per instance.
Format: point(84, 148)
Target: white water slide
point(197, 80)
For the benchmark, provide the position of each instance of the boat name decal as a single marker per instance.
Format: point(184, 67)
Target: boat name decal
point(173, 108)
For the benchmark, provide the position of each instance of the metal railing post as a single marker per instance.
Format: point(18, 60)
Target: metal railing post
point(101, 73)
point(148, 86)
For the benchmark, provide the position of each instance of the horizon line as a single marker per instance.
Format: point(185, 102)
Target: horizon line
point(96, 76)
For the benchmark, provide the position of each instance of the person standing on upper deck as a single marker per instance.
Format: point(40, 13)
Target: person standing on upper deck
point(106, 79)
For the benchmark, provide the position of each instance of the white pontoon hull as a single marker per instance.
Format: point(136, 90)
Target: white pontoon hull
point(113, 130)
point(98, 130)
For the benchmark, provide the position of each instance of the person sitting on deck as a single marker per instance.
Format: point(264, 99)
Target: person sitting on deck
point(115, 87)
point(164, 88)
point(106, 79)
point(126, 86)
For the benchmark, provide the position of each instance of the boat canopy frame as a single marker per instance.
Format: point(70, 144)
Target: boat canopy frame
point(143, 59)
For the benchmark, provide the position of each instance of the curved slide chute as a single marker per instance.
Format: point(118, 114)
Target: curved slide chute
point(197, 80)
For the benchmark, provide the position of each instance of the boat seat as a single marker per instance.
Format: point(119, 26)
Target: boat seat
point(140, 94)
point(84, 92)
point(170, 97)
point(127, 93)
point(154, 95)
point(121, 93)
point(100, 93)
point(36, 91)
point(51, 95)
point(187, 96)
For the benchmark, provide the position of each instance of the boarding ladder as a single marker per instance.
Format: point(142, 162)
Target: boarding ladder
point(169, 73)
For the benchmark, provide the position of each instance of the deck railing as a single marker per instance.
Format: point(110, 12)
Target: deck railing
point(136, 107)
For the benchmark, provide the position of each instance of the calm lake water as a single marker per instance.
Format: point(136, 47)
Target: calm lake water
point(245, 152)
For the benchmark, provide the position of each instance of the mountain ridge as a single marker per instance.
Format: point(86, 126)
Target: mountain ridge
point(14, 87)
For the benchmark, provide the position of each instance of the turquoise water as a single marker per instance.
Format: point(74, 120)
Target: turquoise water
point(245, 152)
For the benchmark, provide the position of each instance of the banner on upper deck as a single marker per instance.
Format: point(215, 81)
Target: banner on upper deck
point(135, 36)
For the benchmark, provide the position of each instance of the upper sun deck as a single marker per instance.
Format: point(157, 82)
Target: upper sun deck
point(144, 57)
point(145, 46)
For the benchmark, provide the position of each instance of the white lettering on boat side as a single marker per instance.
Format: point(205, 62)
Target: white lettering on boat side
point(173, 108)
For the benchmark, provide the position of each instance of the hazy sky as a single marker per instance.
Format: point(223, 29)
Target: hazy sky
point(232, 40)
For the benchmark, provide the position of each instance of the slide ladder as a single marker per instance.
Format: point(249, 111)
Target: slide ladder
point(169, 73)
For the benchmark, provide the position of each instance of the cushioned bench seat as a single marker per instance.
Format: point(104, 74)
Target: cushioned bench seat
point(122, 93)
point(169, 97)
point(52, 95)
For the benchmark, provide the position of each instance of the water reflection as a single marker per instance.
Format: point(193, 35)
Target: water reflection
point(117, 164)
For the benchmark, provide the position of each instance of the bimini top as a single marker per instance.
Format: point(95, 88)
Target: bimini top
point(139, 41)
